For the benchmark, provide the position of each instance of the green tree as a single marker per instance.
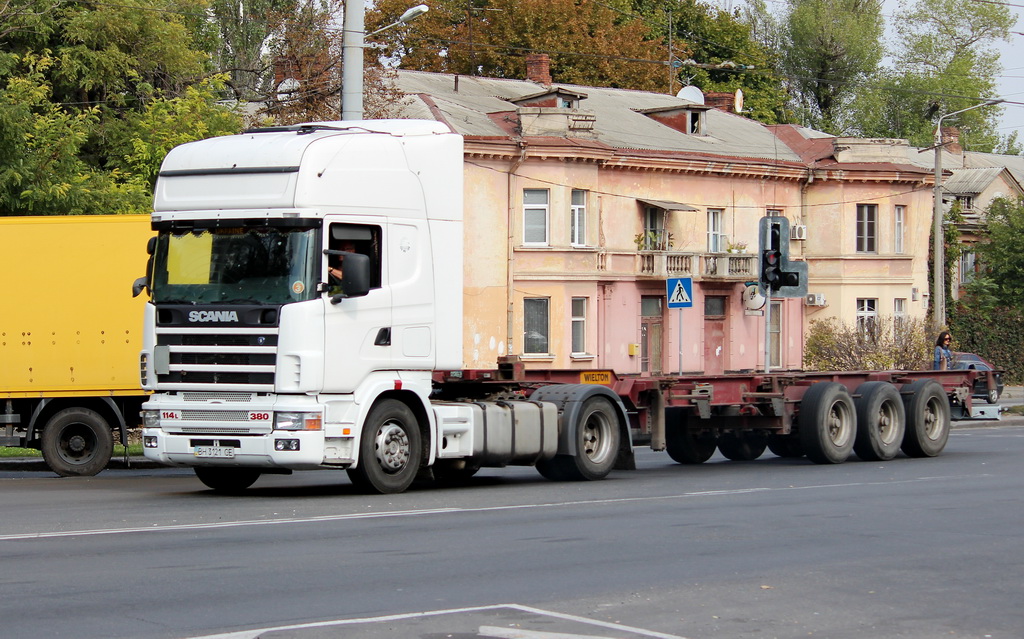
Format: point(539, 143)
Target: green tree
point(945, 62)
point(77, 80)
point(1001, 257)
point(730, 55)
point(41, 169)
point(831, 47)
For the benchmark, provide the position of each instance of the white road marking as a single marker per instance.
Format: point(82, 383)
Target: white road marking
point(447, 511)
point(255, 633)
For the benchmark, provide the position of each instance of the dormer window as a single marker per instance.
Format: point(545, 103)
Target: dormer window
point(689, 119)
point(555, 97)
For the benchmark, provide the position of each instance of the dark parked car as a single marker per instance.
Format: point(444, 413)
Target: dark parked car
point(977, 362)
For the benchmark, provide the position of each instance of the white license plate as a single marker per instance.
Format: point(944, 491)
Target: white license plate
point(224, 452)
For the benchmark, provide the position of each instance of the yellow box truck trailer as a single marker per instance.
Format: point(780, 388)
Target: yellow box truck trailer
point(70, 333)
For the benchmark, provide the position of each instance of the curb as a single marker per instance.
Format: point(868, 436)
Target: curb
point(37, 464)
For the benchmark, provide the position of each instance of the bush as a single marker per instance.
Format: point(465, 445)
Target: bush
point(995, 333)
point(890, 345)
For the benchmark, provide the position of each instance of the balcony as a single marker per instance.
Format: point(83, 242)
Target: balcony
point(725, 267)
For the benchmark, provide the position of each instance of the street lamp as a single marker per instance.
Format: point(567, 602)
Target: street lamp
point(938, 245)
point(352, 39)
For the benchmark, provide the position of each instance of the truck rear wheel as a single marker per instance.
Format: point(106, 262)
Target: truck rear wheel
point(828, 423)
point(788, 446)
point(928, 418)
point(77, 442)
point(880, 421)
point(597, 445)
point(229, 481)
point(687, 447)
point(390, 451)
point(742, 446)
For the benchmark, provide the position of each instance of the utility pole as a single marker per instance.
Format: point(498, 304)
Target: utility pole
point(938, 237)
point(352, 43)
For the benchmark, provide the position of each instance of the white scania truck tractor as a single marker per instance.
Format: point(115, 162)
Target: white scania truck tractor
point(263, 362)
point(306, 311)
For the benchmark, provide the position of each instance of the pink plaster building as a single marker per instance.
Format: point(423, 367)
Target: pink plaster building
point(582, 201)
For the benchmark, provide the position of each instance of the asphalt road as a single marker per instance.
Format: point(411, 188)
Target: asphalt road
point(772, 548)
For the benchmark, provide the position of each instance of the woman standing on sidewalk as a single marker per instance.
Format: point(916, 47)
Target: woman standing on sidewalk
point(943, 356)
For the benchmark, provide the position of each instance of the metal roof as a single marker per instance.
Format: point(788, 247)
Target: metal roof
point(467, 103)
point(971, 181)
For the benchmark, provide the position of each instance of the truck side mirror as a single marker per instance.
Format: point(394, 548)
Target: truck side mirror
point(355, 277)
point(138, 286)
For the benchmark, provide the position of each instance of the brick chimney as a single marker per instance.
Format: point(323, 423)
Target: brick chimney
point(951, 140)
point(721, 100)
point(538, 68)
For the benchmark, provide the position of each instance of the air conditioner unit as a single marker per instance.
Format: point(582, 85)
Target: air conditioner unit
point(816, 299)
point(798, 232)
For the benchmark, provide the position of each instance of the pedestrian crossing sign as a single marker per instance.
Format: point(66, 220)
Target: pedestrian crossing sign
point(679, 291)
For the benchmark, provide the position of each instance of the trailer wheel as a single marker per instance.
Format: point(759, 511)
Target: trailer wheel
point(77, 442)
point(881, 419)
point(928, 418)
point(788, 446)
point(686, 447)
point(230, 481)
point(389, 450)
point(742, 446)
point(597, 445)
point(828, 423)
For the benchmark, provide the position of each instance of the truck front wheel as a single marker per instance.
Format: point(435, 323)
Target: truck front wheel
point(77, 442)
point(390, 451)
point(230, 481)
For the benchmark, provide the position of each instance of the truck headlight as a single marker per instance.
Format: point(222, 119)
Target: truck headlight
point(298, 421)
point(151, 418)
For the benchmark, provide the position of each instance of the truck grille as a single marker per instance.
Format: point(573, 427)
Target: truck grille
point(237, 359)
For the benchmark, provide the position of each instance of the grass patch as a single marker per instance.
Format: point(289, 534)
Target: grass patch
point(10, 451)
point(1015, 410)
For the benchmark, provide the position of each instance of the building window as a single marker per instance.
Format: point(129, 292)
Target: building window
point(696, 122)
point(714, 305)
point(535, 217)
point(716, 241)
point(578, 218)
point(867, 219)
point(899, 225)
point(535, 326)
point(899, 313)
point(867, 316)
point(968, 266)
point(966, 203)
point(655, 238)
point(579, 325)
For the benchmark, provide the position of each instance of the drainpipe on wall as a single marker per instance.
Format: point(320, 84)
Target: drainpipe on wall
point(509, 275)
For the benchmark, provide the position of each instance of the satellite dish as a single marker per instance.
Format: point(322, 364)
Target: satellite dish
point(287, 88)
point(738, 101)
point(691, 94)
point(752, 298)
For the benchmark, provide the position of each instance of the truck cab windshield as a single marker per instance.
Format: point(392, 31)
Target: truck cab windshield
point(249, 265)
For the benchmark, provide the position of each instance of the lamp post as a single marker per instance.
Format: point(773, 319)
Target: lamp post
point(938, 244)
point(352, 39)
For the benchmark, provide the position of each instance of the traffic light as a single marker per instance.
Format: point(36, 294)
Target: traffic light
point(771, 258)
point(779, 276)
